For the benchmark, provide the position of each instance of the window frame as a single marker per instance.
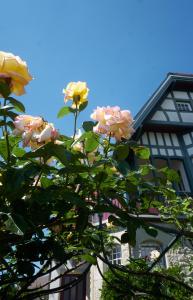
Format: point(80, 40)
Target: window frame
point(117, 252)
point(169, 160)
point(152, 245)
point(181, 103)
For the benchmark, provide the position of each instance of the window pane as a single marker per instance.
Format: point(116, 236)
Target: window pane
point(160, 163)
point(183, 184)
point(183, 106)
point(115, 255)
point(77, 292)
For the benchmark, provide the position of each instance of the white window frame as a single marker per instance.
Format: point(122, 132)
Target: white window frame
point(115, 255)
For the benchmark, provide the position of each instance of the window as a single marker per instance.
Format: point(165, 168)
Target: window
point(115, 255)
point(183, 106)
point(146, 251)
point(77, 291)
point(178, 166)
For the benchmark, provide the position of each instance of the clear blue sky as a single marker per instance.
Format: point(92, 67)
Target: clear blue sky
point(123, 49)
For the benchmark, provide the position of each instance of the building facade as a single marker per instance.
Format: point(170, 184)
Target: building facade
point(164, 125)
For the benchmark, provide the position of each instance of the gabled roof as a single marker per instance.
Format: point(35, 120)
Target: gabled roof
point(179, 81)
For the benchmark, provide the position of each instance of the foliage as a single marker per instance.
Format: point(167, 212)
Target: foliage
point(116, 283)
point(51, 189)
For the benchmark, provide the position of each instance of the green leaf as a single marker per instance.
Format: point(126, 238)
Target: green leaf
point(45, 182)
point(151, 231)
point(88, 125)
point(123, 167)
point(5, 110)
point(15, 179)
point(116, 221)
point(171, 174)
point(2, 123)
point(3, 149)
point(12, 115)
point(83, 106)
point(74, 169)
point(17, 104)
point(11, 125)
point(63, 112)
point(4, 89)
point(122, 152)
point(89, 258)
point(49, 150)
point(129, 237)
point(82, 220)
point(61, 153)
point(20, 222)
point(91, 141)
point(73, 198)
point(101, 176)
point(25, 267)
point(145, 169)
point(142, 152)
point(18, 152)
point(125, 238)
point(12, 226)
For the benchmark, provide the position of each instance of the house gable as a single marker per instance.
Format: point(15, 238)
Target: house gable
point(171, 104)
point(165, 126)
point(175, 107)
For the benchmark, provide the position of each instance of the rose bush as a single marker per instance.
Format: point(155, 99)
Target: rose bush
point(46, 210)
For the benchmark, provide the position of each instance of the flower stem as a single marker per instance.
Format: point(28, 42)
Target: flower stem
point(75, 122)
point(107, 148)
point(6, 135)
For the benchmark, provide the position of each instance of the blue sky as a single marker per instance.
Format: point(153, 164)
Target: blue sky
point(123, 49)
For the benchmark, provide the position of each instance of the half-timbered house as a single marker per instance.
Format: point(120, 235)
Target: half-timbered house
point(165, 125)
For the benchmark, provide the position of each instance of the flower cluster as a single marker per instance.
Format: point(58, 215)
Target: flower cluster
point(154, 254)
point(114, 122)
point(77, 92)
point(34, 130)
point(14, 71)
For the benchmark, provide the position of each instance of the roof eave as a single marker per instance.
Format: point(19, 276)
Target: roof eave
point(147, 107)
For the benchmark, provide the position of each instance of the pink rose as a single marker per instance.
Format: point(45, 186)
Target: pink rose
point(113, 122)
point(48, 133)
point(27, 122)
point(35, 131)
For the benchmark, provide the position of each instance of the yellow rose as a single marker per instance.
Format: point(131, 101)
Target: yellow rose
point(77, 92)
point(15, 71)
